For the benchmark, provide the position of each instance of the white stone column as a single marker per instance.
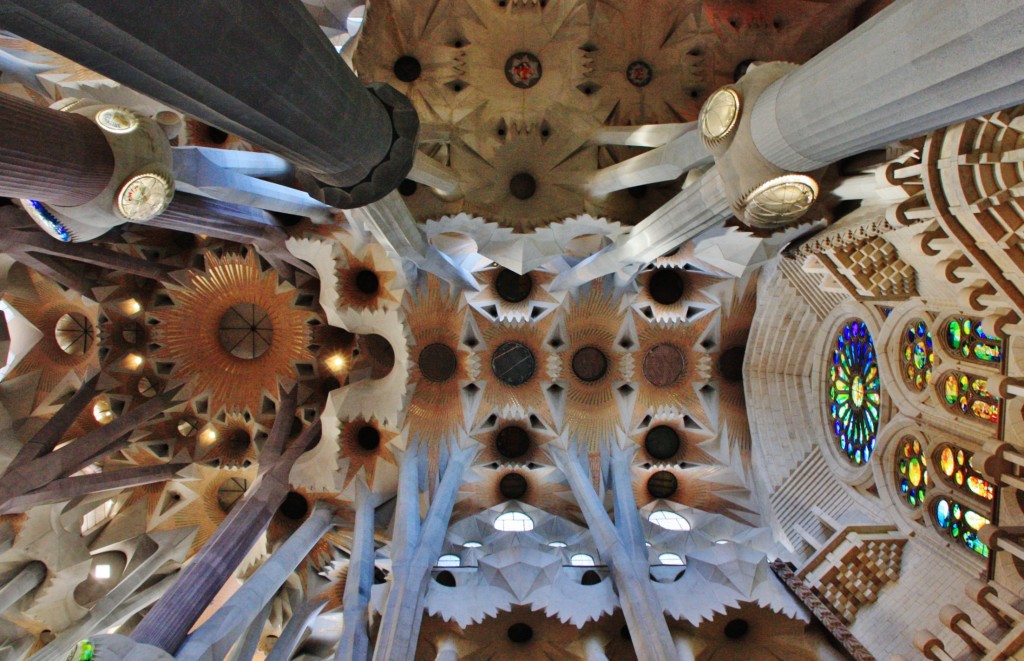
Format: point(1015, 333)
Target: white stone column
point(355, 636)
point(26, 580)
point(916, 66)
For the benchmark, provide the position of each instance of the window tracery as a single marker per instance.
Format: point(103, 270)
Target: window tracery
point(957, 466)
point(917, 355)
point(965, 338)
point(968, 395)
point(912, 471)
point(961, 523)
point(854, 392)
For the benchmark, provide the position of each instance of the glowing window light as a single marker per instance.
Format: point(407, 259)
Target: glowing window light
point(557, 545)
point(101, 572)
point(449, 560)
point(513, 522)
point(472, 545)
point(672, 559)
point(582, 560)
point(669, 520)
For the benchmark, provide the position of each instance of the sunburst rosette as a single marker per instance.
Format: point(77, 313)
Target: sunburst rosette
point(295, 509)
point(333, 592)
point(650, 63)
point(514, 362)
point(672, 440)
point(228, 444)
point(677, 294)
point(672, 371)
point(441, 362)
point(707, 488)
point(537, 487)
point(233, 298)
point(549, 639)
point(67, 323)
point(594, 366)
point(507, 296)
point(364, 450)
point(512, 441)
point(366, 279)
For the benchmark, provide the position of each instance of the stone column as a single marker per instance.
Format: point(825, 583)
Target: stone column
point(916, 66)
point(292, 635)
point(271, 76)
point(216, 636)
point(400, 624)
point(446, 650)
point(640, 605)
point(51, 156)
point(70, 488)
point(49, 435)
point(26, 580)
point(168, 622)
point(355, 636)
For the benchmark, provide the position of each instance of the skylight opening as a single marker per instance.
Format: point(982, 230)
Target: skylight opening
point(669, 521)
point(513, 522)
point(672, 559)
point(449, 560)
point(582, 560)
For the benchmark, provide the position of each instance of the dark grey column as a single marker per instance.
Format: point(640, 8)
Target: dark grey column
point(51, 156)
point(271, 77)
point(916, 66)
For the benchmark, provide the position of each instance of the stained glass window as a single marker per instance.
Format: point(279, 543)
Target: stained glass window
point(961, 523)
point(917, 355)
point(968, 394)
point(958, 467)
point(912, 471)
point(966, 338)
point(854, 392)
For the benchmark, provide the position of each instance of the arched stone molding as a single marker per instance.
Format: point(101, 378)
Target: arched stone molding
point(859, 477)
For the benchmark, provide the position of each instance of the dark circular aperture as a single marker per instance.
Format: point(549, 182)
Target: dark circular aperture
point(736, 629)
point(520, 633)
point(662, 442)
point(367, 281)
point(513, 287)
point(522, 186)
point(589, 364)
point(407, 187)
point(368, 437)
point(741, 70)
point(407, 69)
point(662, 484)
point(513, 486)
point(639, 73)
point(663, 365)
point(239, 440)
point(446, 578)
point(437, 362)
point(666, 286)
point(590, 577)
point(513, 364)
point(730, 364)
point(523, 70)
point(512, 442)
point(294, 507)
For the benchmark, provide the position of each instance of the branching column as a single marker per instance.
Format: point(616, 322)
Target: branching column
point(51, 156)
point(400, 625)
point(355, 636)
point(640, 604)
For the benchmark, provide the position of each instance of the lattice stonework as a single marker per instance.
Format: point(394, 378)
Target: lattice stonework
point(854, 573)
point(875, 269)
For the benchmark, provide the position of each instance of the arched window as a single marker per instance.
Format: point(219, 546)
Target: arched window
point(582, 560)
point(912, 471)
point(513, 522)
point(957, 467)
point(854, 392)
point(968, 395)
point(449, 560)
point(960, 523)
point(966, 338)
point(669, 520)
point(917, 355)
point(672, 559)
point(472, 545)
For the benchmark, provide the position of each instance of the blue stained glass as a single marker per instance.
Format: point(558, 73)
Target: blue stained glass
point(854, 392)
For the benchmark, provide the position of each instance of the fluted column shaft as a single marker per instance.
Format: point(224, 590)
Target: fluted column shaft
point(914, 67)
point(51, 156)
point(271, 76)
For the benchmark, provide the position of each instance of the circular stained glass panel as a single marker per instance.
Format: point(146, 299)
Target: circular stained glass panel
point(917, 355)
point(854, 392)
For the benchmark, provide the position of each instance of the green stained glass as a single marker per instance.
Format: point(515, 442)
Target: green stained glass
point(854, 392)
